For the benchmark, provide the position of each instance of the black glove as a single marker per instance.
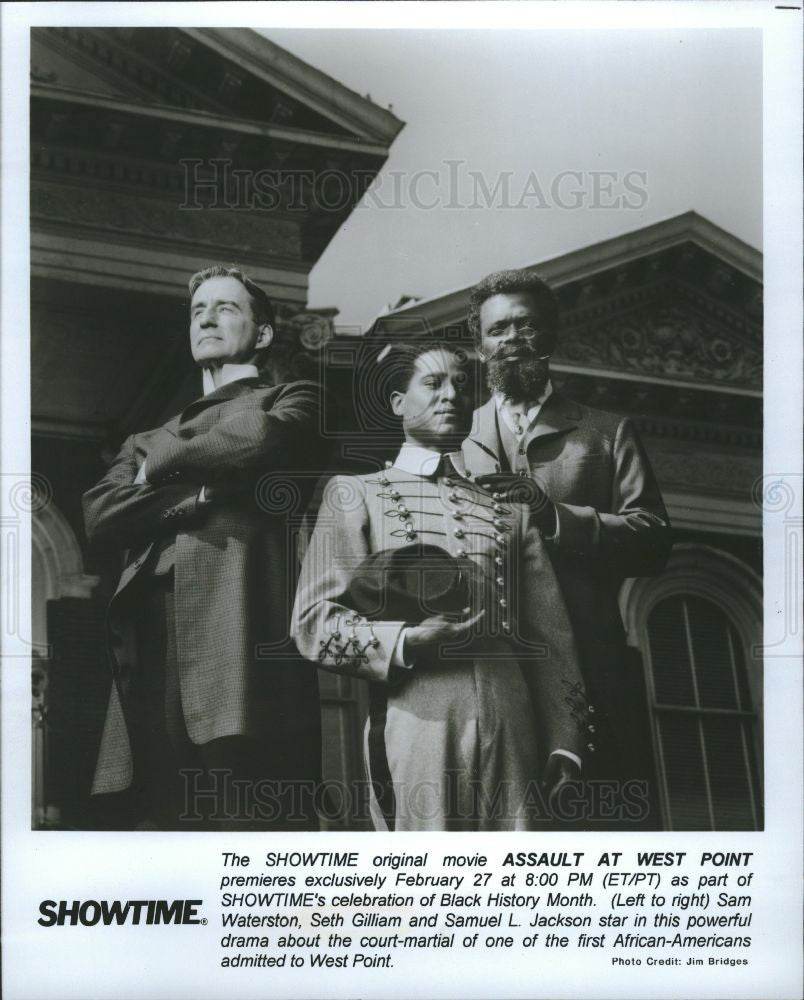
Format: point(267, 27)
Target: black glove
point(510, 488)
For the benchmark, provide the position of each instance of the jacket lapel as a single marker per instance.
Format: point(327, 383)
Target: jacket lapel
point(557, 416)
point(229, 391)
point(482, 450)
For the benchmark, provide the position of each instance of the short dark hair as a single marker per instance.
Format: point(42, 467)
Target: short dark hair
point(261, 306)
point(509, 282)
point(398, 360)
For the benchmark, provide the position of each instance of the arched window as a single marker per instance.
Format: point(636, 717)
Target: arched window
point(698, 627)
point(57, 571)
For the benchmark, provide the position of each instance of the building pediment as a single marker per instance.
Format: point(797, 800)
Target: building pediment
point(681, 315)
point(678, 303)
point(203, 137)
point(227, 72)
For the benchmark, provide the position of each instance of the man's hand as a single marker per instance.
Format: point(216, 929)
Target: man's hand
point(437, 631)
point(521, 489)
point(558, 770)
point(221, 493)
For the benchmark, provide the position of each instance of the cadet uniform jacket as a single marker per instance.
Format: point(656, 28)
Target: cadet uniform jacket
point(484, 715)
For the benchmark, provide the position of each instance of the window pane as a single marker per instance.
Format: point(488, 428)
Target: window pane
point(729, 763)
point(672, 676)
point(710, 645)
point(746, 701)
point(683, 764)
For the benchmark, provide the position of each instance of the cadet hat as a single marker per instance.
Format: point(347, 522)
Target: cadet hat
point(408, 584)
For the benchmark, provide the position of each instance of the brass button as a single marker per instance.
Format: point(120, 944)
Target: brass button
point(458, 532)
point(500, 581)
point(503, 602)
point(462, 553)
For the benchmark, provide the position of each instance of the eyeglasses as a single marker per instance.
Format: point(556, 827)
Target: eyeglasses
point(523, 325)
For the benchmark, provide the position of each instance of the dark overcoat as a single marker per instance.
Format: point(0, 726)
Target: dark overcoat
point(612, 524)
point(258, 448)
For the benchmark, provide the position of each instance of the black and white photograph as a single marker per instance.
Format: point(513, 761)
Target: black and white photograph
point(403, 457)
point(186, 182)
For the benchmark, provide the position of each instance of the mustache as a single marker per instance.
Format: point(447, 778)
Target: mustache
point(516, 348)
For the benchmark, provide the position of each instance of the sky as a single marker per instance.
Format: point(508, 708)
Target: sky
point(521, 146)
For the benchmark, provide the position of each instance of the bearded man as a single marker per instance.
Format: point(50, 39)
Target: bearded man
point(588, 482)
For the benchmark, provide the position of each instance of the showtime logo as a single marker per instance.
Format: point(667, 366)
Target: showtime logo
point(134, 911)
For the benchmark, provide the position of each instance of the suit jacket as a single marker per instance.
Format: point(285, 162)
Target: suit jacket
point(234, 563)
point(612, 524)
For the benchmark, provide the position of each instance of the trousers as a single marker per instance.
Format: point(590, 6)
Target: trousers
point(232, 783)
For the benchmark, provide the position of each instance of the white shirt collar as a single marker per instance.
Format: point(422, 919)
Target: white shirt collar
point(500, 400)
point(530, 411)
point(229, 373)
point(418, 461)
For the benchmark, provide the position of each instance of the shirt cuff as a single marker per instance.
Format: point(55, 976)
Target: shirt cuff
point(571, 755)
point(398, 655)
point(556, 536)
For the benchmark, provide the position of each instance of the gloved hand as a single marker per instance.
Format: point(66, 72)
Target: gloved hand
point(511, 488)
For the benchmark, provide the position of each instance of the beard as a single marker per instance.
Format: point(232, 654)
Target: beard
point(521, 379)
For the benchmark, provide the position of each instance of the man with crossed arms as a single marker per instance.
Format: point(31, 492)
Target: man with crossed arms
point(213, 718)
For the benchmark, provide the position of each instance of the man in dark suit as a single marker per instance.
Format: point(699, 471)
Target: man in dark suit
point(590, 486)
point(213, 717)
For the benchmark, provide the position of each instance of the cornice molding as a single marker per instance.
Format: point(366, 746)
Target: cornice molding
point(202, 119)
point(276, 66)
point(112, 264)
point(99, 53)
point(103, 213)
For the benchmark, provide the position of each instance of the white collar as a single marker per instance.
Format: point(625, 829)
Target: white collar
point(418, 461)
point(501, 402)
point(229, 373)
